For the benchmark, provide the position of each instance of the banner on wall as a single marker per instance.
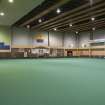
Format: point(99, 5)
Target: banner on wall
point(4, 46)
point(41, 39)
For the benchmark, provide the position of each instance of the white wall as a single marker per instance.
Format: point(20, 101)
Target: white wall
point(39, 35)
point(70, 40)
point(84, 37)
point(99, 34)
point(21, 37)
point(56, 39)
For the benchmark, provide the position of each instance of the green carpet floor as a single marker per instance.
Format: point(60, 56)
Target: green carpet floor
point(52, 82)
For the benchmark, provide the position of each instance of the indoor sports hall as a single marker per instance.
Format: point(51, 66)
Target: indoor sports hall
point(52, 52)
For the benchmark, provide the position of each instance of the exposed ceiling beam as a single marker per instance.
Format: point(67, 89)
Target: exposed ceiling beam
point(69, 14)
point(73, 18)
point(85, 27)
point(77, 19)
point(89, 24)
point(58, 4)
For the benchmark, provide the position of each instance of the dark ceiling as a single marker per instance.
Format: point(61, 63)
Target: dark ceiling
point(75, 12)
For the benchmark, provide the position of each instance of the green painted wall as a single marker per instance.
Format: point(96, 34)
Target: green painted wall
point(5, 35)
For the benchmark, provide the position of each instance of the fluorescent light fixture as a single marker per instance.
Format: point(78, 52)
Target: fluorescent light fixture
point(58, 11)
point(10, 1)
point(70, 25)
point(40, 20)
point(77, 32)
point(28, 26)
point(2, 13)
point(93, 28)
point(93, 19)
point(55, 29)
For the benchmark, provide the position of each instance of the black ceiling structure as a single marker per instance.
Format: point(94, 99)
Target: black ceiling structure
point(75, 12)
